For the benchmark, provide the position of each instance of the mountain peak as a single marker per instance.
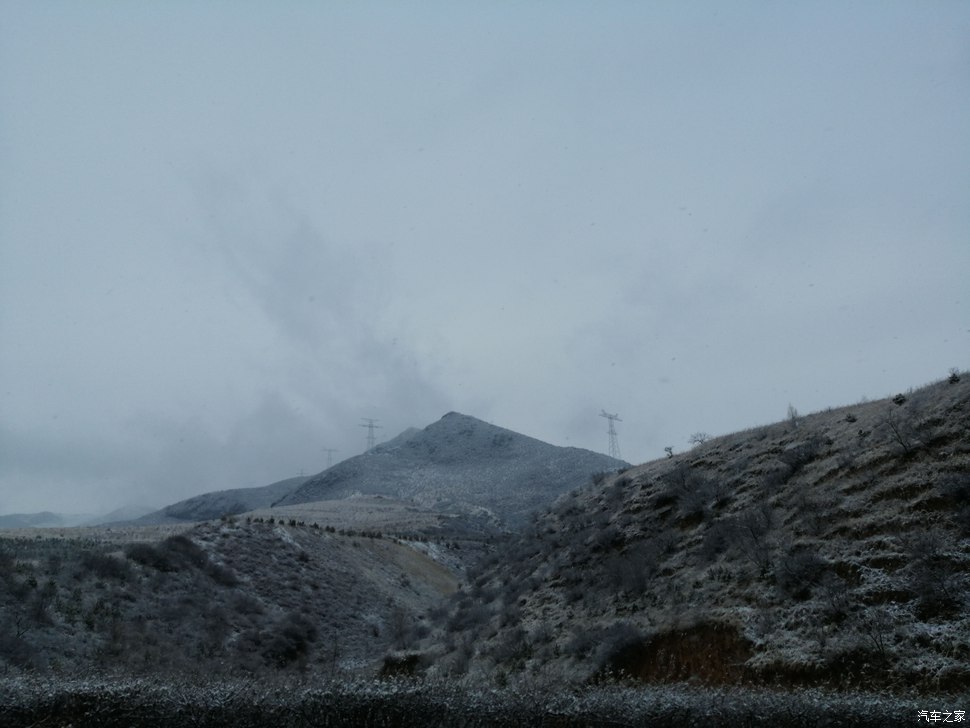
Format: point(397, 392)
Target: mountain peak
point(460, 463)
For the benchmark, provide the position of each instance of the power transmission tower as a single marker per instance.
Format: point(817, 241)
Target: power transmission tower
point(614, 445)
point(370, 431)
point(330, 451)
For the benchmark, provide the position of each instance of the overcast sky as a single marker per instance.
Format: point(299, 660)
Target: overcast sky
point(231, 230)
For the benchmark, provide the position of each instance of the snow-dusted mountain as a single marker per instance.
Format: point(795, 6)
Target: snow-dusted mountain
point(460, 463)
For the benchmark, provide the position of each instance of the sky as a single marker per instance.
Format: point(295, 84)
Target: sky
point(229, 231)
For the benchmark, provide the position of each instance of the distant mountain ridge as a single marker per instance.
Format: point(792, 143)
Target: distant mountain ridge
point(49, 519)
point(31, 520)
point(220, 503)
point(460, 463)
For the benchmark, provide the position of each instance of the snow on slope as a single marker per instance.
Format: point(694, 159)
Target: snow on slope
point(464, 464)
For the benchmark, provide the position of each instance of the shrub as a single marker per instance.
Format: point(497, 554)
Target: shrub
point(184, 549)
point(955, 488)
point(105, 566)
point(469, 617)
point(717, 540)
point(148, 555)
point(222, 575)
point(582, 643)
point(797, 571)
point(798, 456)
point(692, 491)
point(16, 650)
point(290, 640)
point(749, 534)
point(512, 647)
point(877, 627)
point(900, 430)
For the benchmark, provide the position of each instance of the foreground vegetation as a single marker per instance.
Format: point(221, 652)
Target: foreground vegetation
point(240, 704)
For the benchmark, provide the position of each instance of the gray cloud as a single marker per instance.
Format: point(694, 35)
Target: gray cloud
point(227, 238)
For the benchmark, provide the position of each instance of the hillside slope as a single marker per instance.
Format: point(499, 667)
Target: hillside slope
point(216, 504)
point(460, 463)
point(828, 549)
point(232, 597)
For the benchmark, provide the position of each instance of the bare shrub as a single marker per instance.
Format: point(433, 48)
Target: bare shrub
point(902, 431)
point(717, 540)
point(15, 649)
point(877, 627)
point(749, 534)
point(955, 488)
point(511, 648)
point(698, 438)
point(690, 489)
point(935, 579)
point(797, 570)
point(631, 570)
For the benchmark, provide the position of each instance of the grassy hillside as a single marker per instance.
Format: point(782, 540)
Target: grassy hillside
point(826, 549)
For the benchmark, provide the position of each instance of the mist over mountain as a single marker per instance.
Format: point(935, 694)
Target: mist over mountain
point(33, 520)
point(460, 463)
point(122, 514)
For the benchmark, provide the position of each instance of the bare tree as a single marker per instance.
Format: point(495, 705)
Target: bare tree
point(793, 415)
point(698, 438)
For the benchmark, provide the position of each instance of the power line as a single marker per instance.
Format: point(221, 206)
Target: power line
point(371, 426)
point(614, 444)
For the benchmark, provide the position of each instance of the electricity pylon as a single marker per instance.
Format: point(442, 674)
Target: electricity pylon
point(614, 445)
point(371, 426)
point(330, 451)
